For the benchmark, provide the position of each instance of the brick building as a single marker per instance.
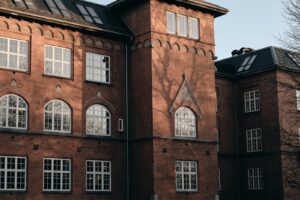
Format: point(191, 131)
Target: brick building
point(108, 102)
point(258, 122)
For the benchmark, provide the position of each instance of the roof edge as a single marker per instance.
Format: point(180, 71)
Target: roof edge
point(199, 4)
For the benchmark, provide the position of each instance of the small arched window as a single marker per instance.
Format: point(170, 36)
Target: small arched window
point(13, 112)
point(98, 120)
point(57, 117)
point(185, 122)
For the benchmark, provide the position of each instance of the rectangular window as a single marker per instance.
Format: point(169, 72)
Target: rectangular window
point(298, 99)
point(57, 174)
point(97, 68)
point(186, 176)
point(57, 61)
point(194, 28)
point(98, 176)
point(13, 54)
point(182, 25)
point(255, 176)
point(254, 140)
point(171, 22)
point(13, 173)
point(252, 101)
point(121, 125)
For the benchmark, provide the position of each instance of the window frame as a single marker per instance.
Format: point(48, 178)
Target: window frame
point(298, 99)
point(168, 13)
point(194, 135)
point(53, 60)
point(254, 144)
point(197, 28)
point(255, 179)
point(186, 24)
point(102, 118)
point(182, 173)
point(15, 170)
point(61, 172)
point(103, 70)
point(255, 100)
point(61, 114)
point(102, 173)
point(18, 54)
point(17, 109)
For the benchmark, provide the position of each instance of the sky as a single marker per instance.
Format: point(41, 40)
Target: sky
point(250, 23)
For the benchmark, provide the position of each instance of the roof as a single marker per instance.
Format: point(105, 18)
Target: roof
point(67, 13)
point(260, 60)
point(196, 4)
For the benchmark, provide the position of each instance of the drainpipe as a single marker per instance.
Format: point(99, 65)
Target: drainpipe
point(237, 137)
point(127, 126)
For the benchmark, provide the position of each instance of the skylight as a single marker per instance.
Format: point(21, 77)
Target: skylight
point(62, 8)
point(53, 7)
point(89, 14)
point(295, 58)
point(58, 8)
point(246, 65)
point(25, 4)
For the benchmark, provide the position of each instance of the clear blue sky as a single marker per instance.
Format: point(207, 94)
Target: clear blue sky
point(250, 23)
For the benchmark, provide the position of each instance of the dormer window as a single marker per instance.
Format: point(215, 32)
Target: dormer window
point(25, 4)
point(295, 58)
point(89, 14)
point(58, 8)
point(246, 65)
point(182, 25)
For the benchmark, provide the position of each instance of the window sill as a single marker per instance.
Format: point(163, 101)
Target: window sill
point(57, 133)
point(13, 130)
point(187, 192)
point(15, 71)
point(184, 37)
point(99, 136)
point(98, 83)
point(58, 77)
point(57, 192)
point(13, 191)
point(99, 192)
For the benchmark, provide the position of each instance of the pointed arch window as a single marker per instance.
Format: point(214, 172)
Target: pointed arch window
point(185, 122)
point(13, 112)
point(98, 120)
point(57, 117)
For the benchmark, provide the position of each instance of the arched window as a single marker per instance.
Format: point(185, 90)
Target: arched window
point(185, 122)
point(97, 120)
point(57, 117)
point(13, 112)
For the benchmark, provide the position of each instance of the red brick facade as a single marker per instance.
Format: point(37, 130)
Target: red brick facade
point(160, 68)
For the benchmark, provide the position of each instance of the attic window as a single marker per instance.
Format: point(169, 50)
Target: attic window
point(295, 58)
point(62, 8)
point(247, 63)
point(58, 8)
point(89, 14)
point(25, 4)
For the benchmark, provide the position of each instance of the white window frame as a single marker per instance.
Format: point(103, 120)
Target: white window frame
point(121, 125)
point(171, 25)
point(255, 179)
point(189, 174)
point(194, 34)
point(185, 29)
point(101, 173)
point(185, 123)
point(298, 99)
point(15, 171)
point(61, 114)
point(61, 172)
point(17, 54)
point(252, 101)
point(92, 66)
point(63, 62)
point(254, 140)
point(92, 115)
point(17, 109)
